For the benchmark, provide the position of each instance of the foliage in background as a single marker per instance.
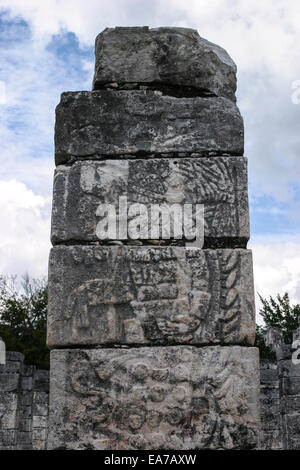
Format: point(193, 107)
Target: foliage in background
point(277, 312)
point(23, 318)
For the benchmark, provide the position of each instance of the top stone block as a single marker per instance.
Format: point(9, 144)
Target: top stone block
point(163, 57)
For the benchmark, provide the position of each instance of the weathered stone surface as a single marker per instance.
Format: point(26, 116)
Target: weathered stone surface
point(273, 337)
point(10, 372)
point(143, 295)
point(284, 352)
point(8, 419)
point(287, 368)
point(177, 57)
point(102, 123)
point(179, 397)
point(271, 440)
point(161, 127)
point(24, 393)
point(219, 183)
point(12, 420)
point(292, 427)
point(291, 404)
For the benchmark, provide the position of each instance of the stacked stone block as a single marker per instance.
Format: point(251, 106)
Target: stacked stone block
point(10, 383)
point(40, 409)
point(24, 399)
point(270, 405)
point(289, 383)
point(280, 393)
point(151, 338)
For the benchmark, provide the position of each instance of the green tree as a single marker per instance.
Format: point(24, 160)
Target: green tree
point(277, 312)
point(23, 318)
point(280, 313)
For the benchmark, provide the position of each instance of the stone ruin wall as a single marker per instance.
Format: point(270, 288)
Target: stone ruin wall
point(24, 402)
point(280, 394)
point(24, 405)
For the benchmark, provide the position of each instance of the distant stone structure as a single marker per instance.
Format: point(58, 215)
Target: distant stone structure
point(25, 400)
point(151, 338)
point(24, 403)
point(280, 394)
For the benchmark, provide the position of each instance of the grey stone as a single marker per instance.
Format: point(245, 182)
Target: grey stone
point(41, 409)
point(9, 381)
point(25, 425)
point(40, 421)
point(292, 442)
point(39, 435)
point(271, 440)
point(269, 393)
point(25, 398)
point(292, 422)
point(284, 352)
point(143, 295)
point(11, 367)
point(161, 127)
point(19, 404)
point(8, 410)
point(102, 123)
point(268, 364)
point(290, 386)
point(12, 356)
point(270, 407)
point(291, 404)
point(28, 371)
point(9, 438)
point(271, 420)
point(273, 337)
point(220, 183)
point(179, 397)
point(25, 439)
point(41, 381)
point(267, 375)
point(176, 57)
point(26, 383)
point(25, 412)
point(286, 368)
point(296, 333)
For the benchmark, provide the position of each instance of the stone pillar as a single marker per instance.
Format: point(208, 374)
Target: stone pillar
point(2, 352)
point(270, 407)
point(10, 385)
point(24, 403)
point(40, 409)
point(151, 337)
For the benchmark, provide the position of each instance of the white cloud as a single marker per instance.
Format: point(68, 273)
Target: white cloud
point(34, 78)
point(276, 267)
point(85, 18)
point(25, 230)
point(264, 30)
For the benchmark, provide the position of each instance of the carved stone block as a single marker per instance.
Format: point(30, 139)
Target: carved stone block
point(177, 57)
point(102, 123)
point(142, 295)
point(220, 183)
point(179, 397)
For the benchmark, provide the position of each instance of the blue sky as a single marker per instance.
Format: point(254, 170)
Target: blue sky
point(48, 47)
